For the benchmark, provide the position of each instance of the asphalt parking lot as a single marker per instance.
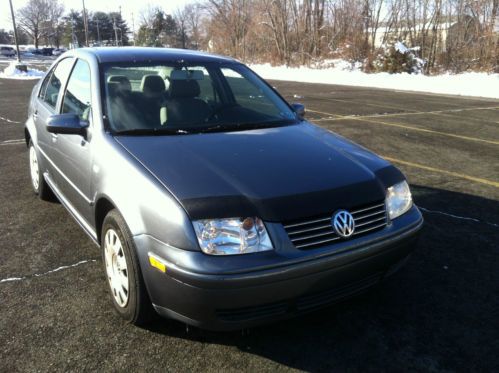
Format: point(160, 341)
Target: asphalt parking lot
point(440, 313)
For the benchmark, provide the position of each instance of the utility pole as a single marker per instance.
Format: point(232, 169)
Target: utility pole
point(133, 29)
point(15, 31)
point(74, 39)
point(98, 32)
point(85, 23)
point(115, 31)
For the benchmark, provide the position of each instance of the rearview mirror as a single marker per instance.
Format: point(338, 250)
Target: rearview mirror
point(186, 75)
point(67, 124)
point(299, 109)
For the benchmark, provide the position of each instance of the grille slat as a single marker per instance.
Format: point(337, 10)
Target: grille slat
point(381, 205)
point(311, 236)
point(369, 222)
point(369, 229)
point(313, 233)
point(368, 215)
point(305, 223)
point(310, 229)
point(317, 242)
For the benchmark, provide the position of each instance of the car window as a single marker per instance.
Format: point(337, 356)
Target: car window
point(57, 78)
point(77, 97)
point(43, 88)
point(180, 97)
point(248, 94)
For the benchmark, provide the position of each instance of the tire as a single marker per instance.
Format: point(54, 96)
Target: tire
point(40, 186)
point(122, 270)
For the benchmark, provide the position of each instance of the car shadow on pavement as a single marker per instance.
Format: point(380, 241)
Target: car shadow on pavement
point(436, 313)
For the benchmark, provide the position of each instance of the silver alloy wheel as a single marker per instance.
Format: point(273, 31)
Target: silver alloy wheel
point(33, 165)
point(116, 268)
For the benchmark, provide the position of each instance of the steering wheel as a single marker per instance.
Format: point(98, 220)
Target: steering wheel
point(219, 110)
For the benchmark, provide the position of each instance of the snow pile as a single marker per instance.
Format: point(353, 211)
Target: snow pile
point(396, 57)
point(466, 84)
point(11, 72)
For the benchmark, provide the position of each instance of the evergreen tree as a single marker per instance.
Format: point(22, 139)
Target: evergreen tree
point(4, 37)
point(74, 29)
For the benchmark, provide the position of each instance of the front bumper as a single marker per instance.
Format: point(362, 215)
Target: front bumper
point(234, 292)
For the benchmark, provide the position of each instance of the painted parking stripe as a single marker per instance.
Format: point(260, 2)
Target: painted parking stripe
point(8, 120)
point(384, 106)
point(330, 116)
point(446, 111)
point(445, 172)
point(13, 142)
point(401, 125)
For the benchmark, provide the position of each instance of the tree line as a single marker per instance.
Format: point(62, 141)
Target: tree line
point(453, 35)
point(44, 22)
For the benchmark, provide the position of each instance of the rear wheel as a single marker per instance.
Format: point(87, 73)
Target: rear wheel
point(122, 269)
point(40, 186)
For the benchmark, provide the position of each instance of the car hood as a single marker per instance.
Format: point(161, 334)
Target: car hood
point(278, 174)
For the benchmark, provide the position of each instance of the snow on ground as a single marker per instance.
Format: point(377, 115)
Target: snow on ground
point(343, 73)
point(11, 72)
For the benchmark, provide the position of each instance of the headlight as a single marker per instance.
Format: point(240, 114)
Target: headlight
point(398, 199)
point(232, 236)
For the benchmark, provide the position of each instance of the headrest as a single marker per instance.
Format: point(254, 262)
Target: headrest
point(184, 88)
point(152, 85)
point(123, 82)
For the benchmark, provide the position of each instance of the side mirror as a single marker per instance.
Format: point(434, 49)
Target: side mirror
point(67, 124)
point(299, 109)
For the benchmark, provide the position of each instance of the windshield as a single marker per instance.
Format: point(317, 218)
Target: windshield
point(179, 98)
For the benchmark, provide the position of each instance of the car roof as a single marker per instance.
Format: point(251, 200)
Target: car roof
point(144, 54)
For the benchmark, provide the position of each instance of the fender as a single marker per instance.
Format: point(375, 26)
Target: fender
point(156, 212)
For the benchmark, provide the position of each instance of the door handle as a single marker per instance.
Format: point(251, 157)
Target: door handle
point(35, 114)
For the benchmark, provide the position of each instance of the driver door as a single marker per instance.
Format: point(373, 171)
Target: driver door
point(75, 151)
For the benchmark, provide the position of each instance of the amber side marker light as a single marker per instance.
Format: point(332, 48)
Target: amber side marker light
point(156, 262)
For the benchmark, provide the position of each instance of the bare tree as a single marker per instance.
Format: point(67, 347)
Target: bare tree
point(32, 17)
point(54, 24)
point(230, 21)
point(193, 14)
point(448, 34)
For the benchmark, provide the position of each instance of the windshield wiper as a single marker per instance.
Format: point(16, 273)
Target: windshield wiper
point(247, 125)
point(152, 132)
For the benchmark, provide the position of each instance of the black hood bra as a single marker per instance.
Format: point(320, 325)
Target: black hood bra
point(278, 174)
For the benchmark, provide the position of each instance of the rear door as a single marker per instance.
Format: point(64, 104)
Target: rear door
point(46, 104)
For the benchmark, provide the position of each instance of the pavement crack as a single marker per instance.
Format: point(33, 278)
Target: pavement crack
point(12, 279)
point(457, 216)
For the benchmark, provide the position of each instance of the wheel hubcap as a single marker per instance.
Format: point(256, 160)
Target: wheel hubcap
point(116, 268)
point(35, 172)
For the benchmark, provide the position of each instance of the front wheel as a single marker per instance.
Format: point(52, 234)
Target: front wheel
point(40, 186)
point(126, 285)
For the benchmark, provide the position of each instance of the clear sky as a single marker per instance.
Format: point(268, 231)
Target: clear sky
point(127, 8)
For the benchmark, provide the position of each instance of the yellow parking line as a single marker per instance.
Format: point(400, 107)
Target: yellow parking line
point(328, 114)
point(399, 125)
point(451, 173)
point(407, 113)
point(361, 103)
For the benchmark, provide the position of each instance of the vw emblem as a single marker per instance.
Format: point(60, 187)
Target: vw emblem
point(343, 223)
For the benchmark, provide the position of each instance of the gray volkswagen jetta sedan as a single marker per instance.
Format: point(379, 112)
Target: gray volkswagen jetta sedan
point(213, 200)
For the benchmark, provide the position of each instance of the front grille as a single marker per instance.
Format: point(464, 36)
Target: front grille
point(318, 231)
